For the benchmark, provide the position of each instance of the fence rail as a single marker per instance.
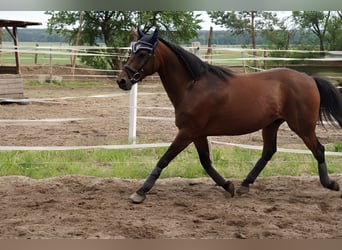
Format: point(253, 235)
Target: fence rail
point(61, 56)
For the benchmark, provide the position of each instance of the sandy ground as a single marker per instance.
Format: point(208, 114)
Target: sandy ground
point(89, 207)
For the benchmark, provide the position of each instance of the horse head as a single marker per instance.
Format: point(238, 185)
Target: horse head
point(141, 61)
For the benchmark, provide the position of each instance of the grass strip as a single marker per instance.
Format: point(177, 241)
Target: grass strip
point(231, 162)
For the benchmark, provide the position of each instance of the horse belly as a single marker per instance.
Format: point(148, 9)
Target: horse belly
point(235, 126)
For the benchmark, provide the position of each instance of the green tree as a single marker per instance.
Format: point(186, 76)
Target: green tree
point(334, 32)
point(110, 27)
point(175, 26)
point(113, 28)
point(239, 22)
point(280, 35)
point(316, 21)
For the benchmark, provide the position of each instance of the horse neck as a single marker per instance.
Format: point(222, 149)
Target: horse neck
point(172, 72)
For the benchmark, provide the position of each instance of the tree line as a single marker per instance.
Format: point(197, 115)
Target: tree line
point(300, 39)
point(220, 37)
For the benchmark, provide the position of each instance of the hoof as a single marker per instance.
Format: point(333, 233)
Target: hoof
point(334, 186)
point(137, 198)
point(229, 187)
point(242, 190)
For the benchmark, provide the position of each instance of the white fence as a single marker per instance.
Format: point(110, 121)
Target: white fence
point(62, 56)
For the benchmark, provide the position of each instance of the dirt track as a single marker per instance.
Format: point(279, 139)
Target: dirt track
point(88, 207)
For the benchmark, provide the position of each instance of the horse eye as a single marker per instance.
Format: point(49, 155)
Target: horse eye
point(142, 53)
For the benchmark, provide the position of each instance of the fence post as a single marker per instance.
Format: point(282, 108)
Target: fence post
point(196, 48)
point(265, 61)
point(133, 100)
point(50, 64)
point(209, 53)
point(36, 55)
point(243, 61)
point(0, 45)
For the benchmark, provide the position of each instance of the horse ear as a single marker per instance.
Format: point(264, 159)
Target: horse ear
point(140, 33)
point(134, 34)
point(155, 35)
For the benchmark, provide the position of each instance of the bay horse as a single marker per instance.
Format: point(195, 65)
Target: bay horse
point(210, 101)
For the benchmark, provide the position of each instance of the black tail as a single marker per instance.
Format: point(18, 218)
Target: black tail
point(331, 101)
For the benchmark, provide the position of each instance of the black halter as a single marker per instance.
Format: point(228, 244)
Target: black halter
point(135, 74)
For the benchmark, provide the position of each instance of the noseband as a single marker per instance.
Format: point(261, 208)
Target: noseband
point(134, 75)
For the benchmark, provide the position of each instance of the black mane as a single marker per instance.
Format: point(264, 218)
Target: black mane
point(195, 65)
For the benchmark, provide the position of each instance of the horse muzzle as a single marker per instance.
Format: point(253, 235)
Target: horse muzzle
point(124, 83)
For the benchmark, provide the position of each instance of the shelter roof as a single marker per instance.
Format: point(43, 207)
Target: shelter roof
point(16, 23)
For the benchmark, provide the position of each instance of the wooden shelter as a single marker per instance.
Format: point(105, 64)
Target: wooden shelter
point(11, 83)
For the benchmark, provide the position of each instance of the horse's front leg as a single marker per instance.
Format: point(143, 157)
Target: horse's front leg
point(177, 146)
point(202, 147)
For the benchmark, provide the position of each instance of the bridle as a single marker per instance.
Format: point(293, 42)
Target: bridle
point(134, 75)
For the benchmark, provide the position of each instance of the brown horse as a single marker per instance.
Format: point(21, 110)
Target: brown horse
point(210, 101)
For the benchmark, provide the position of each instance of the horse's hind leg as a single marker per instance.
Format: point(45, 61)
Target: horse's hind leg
point(204, 155)
point(269, 135)
point(317, 150)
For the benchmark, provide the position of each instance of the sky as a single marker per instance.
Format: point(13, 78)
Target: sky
point(39, 16)
point(33, 16)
